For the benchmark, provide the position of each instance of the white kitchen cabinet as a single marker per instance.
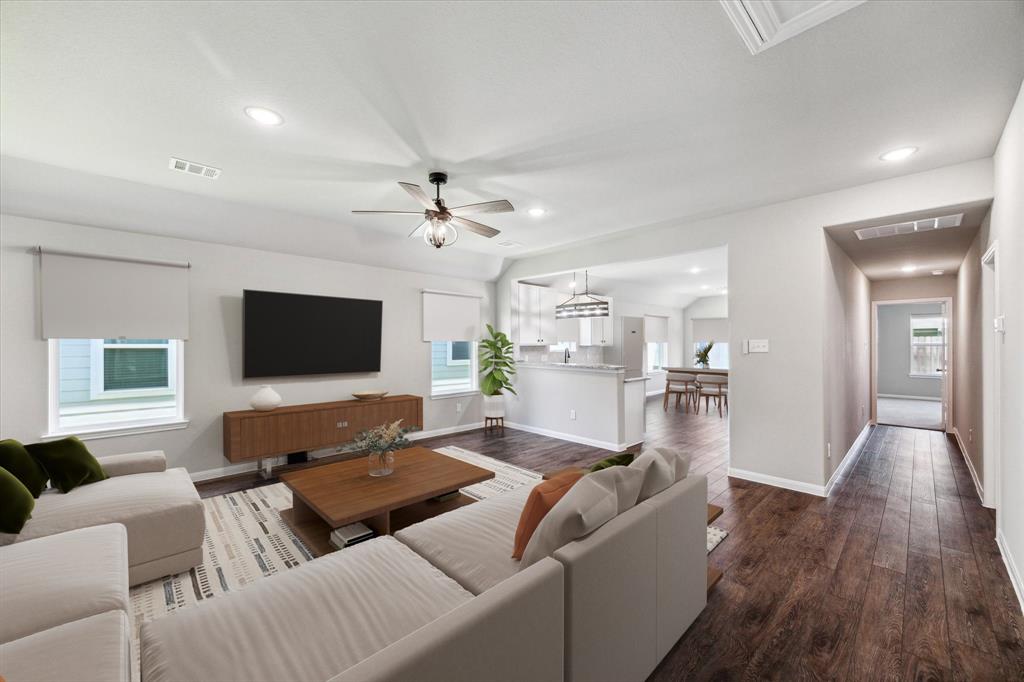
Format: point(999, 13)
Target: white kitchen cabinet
point(537, 325)
point(598, 331)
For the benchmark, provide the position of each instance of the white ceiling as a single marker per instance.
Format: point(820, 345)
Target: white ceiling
point(668, 280)
point(610, 115)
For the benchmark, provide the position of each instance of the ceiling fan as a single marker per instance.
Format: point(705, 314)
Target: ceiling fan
point(439, 221)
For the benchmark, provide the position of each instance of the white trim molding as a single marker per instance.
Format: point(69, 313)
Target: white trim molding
point(447, 430)
point(603, 444)
point(776, 481)
point(978, 487)
point(1011, 567)
point(850, 457)
point(913, 397)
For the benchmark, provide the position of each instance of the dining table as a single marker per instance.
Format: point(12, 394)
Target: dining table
point(698, 370)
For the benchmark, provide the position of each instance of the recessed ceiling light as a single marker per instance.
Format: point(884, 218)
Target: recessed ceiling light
point(264, 116)
point(938, 272)
point(908, 268)
point(898, 154)
point(536, 212)
point(725, 291)
point(694, 271)
point(572, 284)
point(705, 286)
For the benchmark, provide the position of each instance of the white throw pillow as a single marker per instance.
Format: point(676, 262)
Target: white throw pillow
point(661, 468)
point(593, 501)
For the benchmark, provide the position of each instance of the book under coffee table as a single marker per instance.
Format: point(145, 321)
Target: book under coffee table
point(334, 495)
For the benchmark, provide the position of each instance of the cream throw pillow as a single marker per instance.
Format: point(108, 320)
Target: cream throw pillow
point(593, 501)
point(661, 468)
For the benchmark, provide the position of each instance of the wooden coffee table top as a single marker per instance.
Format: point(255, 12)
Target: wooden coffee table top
point(343, 492)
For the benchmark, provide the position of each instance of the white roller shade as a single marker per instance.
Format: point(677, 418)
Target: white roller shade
point(711, 329)
point(95, 297)
point(655, 329)
point(450, 316)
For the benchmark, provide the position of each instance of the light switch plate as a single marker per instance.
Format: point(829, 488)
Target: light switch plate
point(758, 345)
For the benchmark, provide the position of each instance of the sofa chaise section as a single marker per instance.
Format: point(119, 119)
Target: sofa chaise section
point(93, 649)
point(159, 507)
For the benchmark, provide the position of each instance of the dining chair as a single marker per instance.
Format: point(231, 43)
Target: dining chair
point(713, 386)
point(683, 386)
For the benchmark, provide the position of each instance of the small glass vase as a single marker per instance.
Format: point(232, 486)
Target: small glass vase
point(381, 463)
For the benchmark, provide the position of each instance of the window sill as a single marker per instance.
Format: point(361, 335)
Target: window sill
point(925, 376)
point(115, 431)
point(455, 394)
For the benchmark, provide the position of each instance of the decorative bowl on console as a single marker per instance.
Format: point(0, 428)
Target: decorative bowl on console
point(369, 395)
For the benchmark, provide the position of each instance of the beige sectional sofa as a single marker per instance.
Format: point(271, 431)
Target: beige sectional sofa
point(442, 600)
point(159, 507)
point(65, 607)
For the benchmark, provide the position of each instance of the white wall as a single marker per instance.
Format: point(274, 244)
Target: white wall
point(213, 356)
point(847, 357)
point(973, 336)
point(776, 278)
point(710, 307)
point(1007, 227)
point(894, 352)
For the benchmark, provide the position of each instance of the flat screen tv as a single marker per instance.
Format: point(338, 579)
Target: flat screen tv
point(290, 334)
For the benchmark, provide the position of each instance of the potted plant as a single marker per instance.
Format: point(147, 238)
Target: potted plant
point(497, 366)
point(701, 356)
point(381, 442)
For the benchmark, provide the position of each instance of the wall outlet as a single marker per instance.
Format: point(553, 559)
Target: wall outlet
point(862, 412)
point(970, 435)
point(758, 345)
point(572, 414)
point(828, 450)
point(458, 408)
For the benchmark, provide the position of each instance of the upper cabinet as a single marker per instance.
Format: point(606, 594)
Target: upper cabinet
point(597, 331)
point(537, 315)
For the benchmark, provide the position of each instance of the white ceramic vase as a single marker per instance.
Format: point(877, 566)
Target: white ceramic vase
point(265, 399)
point(494, 405)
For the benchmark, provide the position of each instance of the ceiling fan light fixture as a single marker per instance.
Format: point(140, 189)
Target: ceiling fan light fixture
point(440, 233)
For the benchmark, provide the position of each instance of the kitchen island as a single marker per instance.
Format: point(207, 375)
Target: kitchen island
point(593, 404)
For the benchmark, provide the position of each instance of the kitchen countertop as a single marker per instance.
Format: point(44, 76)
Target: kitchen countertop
point(574, 367)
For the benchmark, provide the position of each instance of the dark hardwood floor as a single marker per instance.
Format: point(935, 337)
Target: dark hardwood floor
point(896, 575)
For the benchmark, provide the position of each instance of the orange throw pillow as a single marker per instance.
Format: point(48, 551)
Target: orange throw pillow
point(543, 497)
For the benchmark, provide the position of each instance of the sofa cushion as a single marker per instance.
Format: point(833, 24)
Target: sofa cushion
point(309, 623)
point(539, 502)
point(596, 499)
point(661, 468)
point(93, 649)
point(16, 459)
point(68, 462)
point(58, 579)
point(161, 511)
point(16, 503)
point(472, 544)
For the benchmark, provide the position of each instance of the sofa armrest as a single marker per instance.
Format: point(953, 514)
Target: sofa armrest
point(484, 639)
point(133, 463)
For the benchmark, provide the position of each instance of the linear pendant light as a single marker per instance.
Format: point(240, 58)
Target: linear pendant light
point(583, 305)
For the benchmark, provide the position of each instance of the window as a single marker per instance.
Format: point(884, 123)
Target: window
point(112, 384)
point(927, 346)
point(657, 356)
point(453, 367)
point(718, 358)
point(562, 346)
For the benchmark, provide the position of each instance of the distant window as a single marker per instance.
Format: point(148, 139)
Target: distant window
point(657, 356)
point(927, 346)
point(718, 357)
point(101, 384)
point(561, 347)
point(453, 367)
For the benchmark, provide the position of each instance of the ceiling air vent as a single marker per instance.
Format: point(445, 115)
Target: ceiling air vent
point(193, 168)
point(509, 244)
point(910, 227)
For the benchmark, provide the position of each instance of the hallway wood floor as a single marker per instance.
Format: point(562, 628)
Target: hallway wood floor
point(895, 576)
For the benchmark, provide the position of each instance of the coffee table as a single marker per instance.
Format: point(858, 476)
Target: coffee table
point(334, 495)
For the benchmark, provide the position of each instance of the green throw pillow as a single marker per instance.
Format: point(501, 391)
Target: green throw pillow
point(19, 463)
point(16, 503)
point(621, 459)
point(68, 461)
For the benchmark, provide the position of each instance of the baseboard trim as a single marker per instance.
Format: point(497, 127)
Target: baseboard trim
point(909, 397)
point(445, 431)
point(789, 484)
point(604, 445)
point(978, 488)
point(223, 472)
point(1011, 567)
point(851, 455)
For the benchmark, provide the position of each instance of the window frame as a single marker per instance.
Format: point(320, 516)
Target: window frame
point(97, 376)
point(106, 429)
point(454, 362)
point(944, 345)
point(662, 356)
point(460, 389)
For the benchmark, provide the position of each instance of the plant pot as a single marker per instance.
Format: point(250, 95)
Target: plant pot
point(494, 406)
point(265, 399)
point(381, 463)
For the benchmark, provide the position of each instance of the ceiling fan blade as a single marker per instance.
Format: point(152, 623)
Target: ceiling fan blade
point(476, 227)
point(418, 232)
point(501, 206)
point(392, 212)
point(419, 195)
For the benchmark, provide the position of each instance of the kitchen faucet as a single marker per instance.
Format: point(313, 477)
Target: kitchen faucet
point(566, 356)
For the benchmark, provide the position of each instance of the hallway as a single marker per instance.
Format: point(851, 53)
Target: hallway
point(919, 414)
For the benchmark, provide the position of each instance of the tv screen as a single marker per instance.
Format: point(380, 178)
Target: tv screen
point(289, 334)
